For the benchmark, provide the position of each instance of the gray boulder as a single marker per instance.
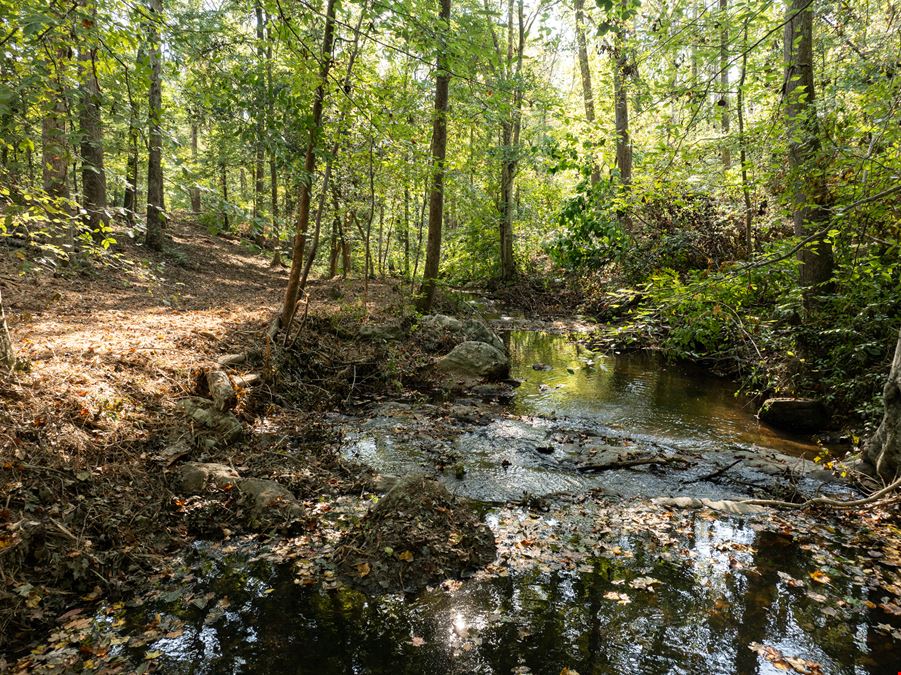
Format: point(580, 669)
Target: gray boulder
point(801, 415)
point(267, 493)
point(436, 332)
point(476, 359)
point(194, 477)
point(382, 332)
point(478, 331)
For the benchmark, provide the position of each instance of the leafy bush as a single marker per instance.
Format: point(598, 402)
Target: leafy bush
point(588, 235)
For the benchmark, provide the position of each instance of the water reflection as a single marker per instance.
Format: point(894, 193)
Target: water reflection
point(637, 391)
point(722, 590)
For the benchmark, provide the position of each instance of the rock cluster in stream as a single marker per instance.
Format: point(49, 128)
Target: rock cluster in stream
point(470, 349)
point(417, 535)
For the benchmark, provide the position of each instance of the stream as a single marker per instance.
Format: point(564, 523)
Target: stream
point(591, 575)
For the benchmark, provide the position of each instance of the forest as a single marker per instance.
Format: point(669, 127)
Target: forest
point(473, 335)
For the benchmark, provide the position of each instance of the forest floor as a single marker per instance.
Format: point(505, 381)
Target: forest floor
point(93, 440)
point(90, 433)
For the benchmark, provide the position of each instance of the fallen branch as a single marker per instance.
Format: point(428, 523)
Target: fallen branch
point(826, 501)
point(628, 463)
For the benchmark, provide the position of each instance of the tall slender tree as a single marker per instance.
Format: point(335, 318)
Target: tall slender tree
point(309, 168)
point(621, 71)
point(723, 102)
point(7, 354)
point(807, 189)
point(155, 207)
point(130, 197)
point(259, 114)
point(585, 71)
point(93, 174)
point(438, 154)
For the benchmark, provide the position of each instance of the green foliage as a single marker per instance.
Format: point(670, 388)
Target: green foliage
point(588, 234)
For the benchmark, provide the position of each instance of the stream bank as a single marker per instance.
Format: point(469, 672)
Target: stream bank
point(591, 574)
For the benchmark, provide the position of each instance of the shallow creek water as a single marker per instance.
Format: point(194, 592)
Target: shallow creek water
point(596, 580)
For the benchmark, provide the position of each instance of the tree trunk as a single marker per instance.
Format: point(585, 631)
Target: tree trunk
point(130, 199)
point(273, 168)
point(587, 90)
point(883, 451)
point(508, 169)
point(743, 144)
point(510, 130)
point(309, 167)
point(259, 114)
point(724, 82)
point(7, 355)
point(807, 188)
point(336, 146)
point(621, 107)
point(438, 154)
point(195, 189)
point(55, 154)
point(93, 174)
point(333, 246)
point(55, 148)
point(406, 235)
point(223, 182)
point(155, 214)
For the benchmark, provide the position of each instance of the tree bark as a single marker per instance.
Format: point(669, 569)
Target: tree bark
point(309, 167)
point(743, 144)
point(223, 182)
point(438, 154)
point(585, 70)
point(7, 355)
point(130, 199)
point(273, 167)
point(195, 189)
point(621, 107)
point(93, 174)
point(510, 130)
point(724, 82)
point(55, 148)
point(259, 114)
point(55, 154)
point(808, 193)
point(155, 213)
point(883, 451)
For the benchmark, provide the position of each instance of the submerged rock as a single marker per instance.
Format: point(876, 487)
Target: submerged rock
point(417, 535)
point(802, 415)
point(476, 359)
point(493, 392)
